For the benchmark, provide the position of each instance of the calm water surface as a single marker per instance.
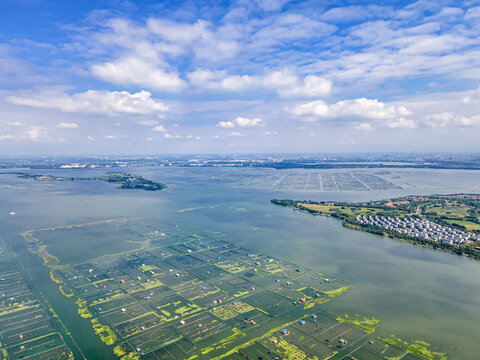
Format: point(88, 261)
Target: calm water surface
point(415, 292)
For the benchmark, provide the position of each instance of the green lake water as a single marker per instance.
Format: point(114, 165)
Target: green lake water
point(414, 291)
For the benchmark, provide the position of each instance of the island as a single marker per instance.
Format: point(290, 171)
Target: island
point(447, 222)
point(124, 180)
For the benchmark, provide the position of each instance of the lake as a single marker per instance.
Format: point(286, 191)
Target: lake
point(415, 292)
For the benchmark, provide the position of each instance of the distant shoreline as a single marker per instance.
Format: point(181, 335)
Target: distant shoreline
point(124, 180)
point(419, 207)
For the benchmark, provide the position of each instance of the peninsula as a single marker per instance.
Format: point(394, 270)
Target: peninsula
point(124, 180)
point(447, 222)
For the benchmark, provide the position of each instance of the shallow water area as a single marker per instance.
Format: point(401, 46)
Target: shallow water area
point(415, 292)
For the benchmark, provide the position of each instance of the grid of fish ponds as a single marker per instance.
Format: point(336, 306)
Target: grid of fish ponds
point(197, 297)
point(27, 328)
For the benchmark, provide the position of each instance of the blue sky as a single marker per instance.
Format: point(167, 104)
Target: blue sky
point(84, 77)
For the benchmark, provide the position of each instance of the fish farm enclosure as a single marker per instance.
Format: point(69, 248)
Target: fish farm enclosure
point(180, 296)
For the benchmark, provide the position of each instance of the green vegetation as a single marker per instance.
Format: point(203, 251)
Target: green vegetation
point(417, 347)
point(124, 180)
point(83, 309)
point(337, 292)
point(368, 324)
point(222, 302)
point(29, 325)
point(55, 277)
point(106, 334)
point(123, 355)
point(65, 291)
point(457, 211)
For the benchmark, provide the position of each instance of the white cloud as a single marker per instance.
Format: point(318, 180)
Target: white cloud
point(110, 137)
point(14, 123)
point(93, 101)
point(447, 118)
point(148, 122)
point(279, 79)
point(226, 124)
point(351, 109)
point(90, 138)
point(199, 37)
point(313, 86)
point(159, 128)
point(170, 136)
point(367, 108)
point(289, 29)
point(472, 97)
point(235, 133)
point(473, 13)
point(139, 72)
point(284, 82)
point(244, 122)
point(315, 108)
point(64, 125)
point(402, 123)
point(214, 80)
point(240, 122)
point(38, 134)
point(364, 127)
point(5, 137)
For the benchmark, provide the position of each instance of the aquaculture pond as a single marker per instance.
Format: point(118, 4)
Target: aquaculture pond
point(415, 293)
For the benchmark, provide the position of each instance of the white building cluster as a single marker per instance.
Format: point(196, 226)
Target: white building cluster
point(420, 228)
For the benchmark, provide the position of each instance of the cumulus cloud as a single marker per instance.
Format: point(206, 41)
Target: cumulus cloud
point(279, 79)
point(14, 123)
point(148, 122)
point(313, 86)
point(244, 122)
point(240, 122)
point(110, 137)
point(284, 82)
point(6, 137)
point(318, 108)
point(159, 128)
point(139, 72)
point(93, 101)
point(138, 54)
point(38, 134)
point(447, 118)
point(170, 136)
point(200, 37)
point(472, 97)
point(367, 108)
point(215, 80)
point(235, 133)
point(402, 123)
point(355, 110)
point(64, 125)
point(226, 124)
point(364, 127)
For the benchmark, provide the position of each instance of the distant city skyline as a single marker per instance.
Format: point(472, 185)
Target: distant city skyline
point(247, 76)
